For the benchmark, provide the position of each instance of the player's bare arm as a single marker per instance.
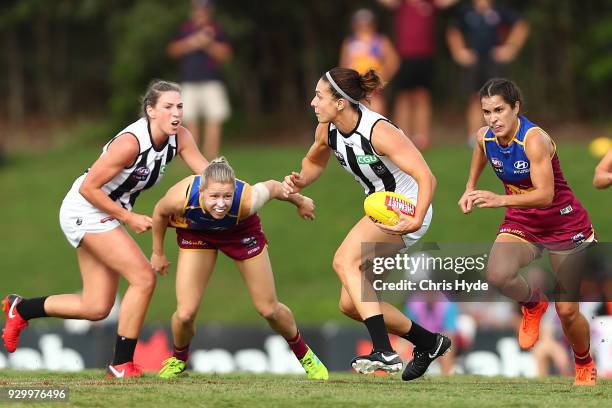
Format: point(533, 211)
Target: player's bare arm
point(313, 164)
point(189, 152)
point(603, 172)
point(170, 204)
point(120, 154)
point(391, 142)
point(305, 205)
point(477, 165)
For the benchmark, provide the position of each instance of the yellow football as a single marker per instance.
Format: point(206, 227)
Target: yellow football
point(379, 207)
point(600, 146)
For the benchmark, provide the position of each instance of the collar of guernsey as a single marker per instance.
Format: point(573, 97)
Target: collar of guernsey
point(510, 162)
point(195, 218)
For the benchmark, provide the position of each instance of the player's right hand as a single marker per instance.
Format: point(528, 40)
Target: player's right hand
point(160, 263)
point(466, 203)
point(139, 223)
point(290, 184)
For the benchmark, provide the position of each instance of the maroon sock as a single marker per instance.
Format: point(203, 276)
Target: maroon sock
point(182, 353)
point(533, 300)
point(298, 346)
point(582, 358)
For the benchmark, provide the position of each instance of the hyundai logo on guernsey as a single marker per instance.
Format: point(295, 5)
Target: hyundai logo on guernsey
point(521, 167)
point(498, 165)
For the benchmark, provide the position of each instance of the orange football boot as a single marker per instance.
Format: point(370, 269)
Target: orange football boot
point(530, 324)
point(586, 374)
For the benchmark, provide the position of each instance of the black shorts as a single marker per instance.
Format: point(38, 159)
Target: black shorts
point(414, 73)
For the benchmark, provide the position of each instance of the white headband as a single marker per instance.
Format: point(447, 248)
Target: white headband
point(340, 91)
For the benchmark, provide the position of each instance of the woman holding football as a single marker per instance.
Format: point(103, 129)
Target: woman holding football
point(381, 158)
point(542, 212)
point(91, 216)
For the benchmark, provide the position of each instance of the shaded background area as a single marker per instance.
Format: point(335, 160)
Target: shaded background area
point(68, 61)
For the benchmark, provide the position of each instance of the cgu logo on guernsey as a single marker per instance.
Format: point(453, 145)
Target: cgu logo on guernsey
point(521, 167)
point(404, 206)
point(367, 159)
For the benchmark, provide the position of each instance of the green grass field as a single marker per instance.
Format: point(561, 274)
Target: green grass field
point(37, 259)
point(343, 389)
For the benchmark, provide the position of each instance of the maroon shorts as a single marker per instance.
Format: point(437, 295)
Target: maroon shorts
point(244, 241)
point(553, 240)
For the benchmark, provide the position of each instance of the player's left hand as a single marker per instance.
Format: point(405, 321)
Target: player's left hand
point(486, 199)
point(405, 225)
point(306, 208)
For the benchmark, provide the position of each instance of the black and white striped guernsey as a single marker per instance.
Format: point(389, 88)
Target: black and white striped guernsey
point(356, 154)
point(146, 171)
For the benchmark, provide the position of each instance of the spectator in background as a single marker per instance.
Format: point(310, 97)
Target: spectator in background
point(483, 38)
point(201, 47)
point(603, 172)
point(415, 42)
point(367, 49)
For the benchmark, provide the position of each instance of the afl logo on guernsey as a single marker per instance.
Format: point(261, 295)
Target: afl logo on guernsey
point(521, 167)
point(141, 173)
point(340, 158)
point(498, 165)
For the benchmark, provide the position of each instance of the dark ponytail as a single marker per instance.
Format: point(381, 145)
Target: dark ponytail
point(355, 86)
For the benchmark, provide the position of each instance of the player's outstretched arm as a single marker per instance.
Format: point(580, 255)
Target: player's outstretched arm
point(189, 152)
point(170, 204)
point(265, 191)
point(603, 172)
point(312, 165)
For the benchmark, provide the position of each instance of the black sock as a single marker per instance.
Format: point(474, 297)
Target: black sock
point(420, 337)
point(32, 308)
point(378, 333)
point(124, 350)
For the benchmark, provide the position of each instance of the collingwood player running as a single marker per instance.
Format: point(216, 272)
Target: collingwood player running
point(91, 216)
point(381, 158)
